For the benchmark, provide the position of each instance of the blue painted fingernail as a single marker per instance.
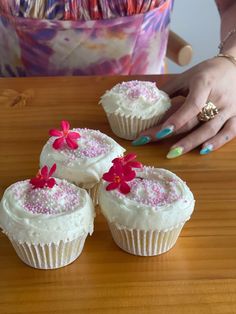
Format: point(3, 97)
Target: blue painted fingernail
point(164, 132)
point(141, 141)
point(206, 150)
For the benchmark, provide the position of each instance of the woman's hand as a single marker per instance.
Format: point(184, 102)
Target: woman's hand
point(213, 80)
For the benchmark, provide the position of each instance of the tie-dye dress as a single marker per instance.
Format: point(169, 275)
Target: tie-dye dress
point(55, 42)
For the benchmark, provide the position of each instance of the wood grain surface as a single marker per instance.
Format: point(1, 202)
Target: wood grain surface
point(197, 276)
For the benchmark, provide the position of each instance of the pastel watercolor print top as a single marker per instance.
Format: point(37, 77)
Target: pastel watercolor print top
point(41, 38)
point(146, 198)
point(46, 210)
point(136, 98)
point(82, 155)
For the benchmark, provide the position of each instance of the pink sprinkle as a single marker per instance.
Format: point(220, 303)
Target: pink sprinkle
point(135, 89)
point(151, 192)
point(63, 197)
point(92, 144)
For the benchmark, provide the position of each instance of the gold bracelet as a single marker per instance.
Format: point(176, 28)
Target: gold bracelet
point(221, 45)
point(226, 56)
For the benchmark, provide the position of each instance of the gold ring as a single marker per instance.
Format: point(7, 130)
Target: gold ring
point(208, 112)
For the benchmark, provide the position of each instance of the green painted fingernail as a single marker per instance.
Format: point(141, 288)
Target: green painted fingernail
point(206, 150)
point(175, 152)
point(164, 132)
point(141, 141)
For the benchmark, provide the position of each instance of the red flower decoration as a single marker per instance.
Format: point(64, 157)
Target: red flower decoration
point(118, 175)
point(65, 136)
point(43, 178)
point(128, 161)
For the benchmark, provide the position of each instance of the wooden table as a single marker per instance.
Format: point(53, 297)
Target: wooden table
point(197, 276)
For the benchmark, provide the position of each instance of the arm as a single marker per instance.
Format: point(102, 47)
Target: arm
point(227, 10)
point(223, 5)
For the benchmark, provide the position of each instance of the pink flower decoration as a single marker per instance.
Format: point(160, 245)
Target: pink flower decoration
point(128, 160)
point(118, 175)
point(43, 178)
point(65, 136)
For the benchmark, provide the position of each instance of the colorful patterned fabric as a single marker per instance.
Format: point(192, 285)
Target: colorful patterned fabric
point(78, 9)
point(134, 44)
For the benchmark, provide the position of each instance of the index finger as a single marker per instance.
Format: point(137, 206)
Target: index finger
point(195, 101)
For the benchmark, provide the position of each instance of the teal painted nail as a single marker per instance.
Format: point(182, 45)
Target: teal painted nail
point(141, 141)
point(164, 132)
point(206, 150)
point(175, 152)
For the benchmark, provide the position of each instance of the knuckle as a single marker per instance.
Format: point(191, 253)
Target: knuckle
point(203, 79)
point(176, 123)
point(222, 117)
point(196, 107)
point(224, 102)
point(229, 107)
point(219, 99)
point(231, 126)
point(188, 125)
point(189, 143)
point(212, 129)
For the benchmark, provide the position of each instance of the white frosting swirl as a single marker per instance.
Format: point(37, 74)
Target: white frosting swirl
point(158, 200)
point(46, 215)
point(86, 164)
point(136, 98)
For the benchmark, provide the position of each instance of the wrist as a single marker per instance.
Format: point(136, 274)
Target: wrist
point(228, 43)
point(229, 49)
point(228, 57)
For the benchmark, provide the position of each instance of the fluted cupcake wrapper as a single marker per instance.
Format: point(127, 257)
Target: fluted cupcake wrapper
point(142, 242)
point(130, 127)
point(49, 256)
point(93, 192)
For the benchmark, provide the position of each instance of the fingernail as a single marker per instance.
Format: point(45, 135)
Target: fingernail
point(206, 150)
point(164, 132)
point(142, 141)
point(175, 152)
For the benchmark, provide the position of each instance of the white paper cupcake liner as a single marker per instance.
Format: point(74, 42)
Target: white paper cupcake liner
point(49, 256)
point(144, 243)
point(130, 127)
point(93, 192)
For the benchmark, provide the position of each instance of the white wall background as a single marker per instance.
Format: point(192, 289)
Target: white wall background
point(198, 22)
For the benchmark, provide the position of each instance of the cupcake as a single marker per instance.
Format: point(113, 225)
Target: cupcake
point(47, 220)
point(82, 155)
point(145, 209)
point(134, 106)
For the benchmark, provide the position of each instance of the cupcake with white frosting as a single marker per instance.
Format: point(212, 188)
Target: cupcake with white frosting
point(82, 155)
point(134, 106)
point(145, 217)
point(47, 220)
